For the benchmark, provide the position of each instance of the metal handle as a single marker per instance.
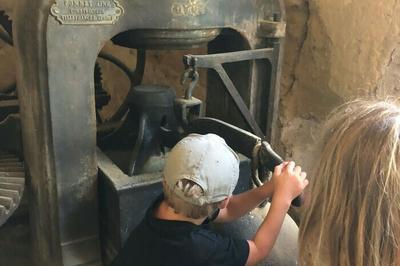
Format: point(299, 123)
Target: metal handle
point(272, 159)
point(242, 141)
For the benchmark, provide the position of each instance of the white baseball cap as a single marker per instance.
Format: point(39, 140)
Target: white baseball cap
point(206, 160)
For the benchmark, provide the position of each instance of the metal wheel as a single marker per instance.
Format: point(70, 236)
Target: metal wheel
point(12, 183)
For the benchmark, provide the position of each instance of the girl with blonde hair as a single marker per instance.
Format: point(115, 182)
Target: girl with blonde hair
point(352, 214)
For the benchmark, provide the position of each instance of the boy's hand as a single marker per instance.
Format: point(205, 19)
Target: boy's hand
point(289, 181)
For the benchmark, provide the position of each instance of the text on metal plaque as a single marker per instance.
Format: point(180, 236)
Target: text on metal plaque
point(85, 12)
point(190, 8)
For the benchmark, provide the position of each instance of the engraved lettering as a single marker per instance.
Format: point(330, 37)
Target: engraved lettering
point(190, 8)
point(178, 10)
point(86, 11)
point(78, 3)
point(103, 4)
point(83, 12)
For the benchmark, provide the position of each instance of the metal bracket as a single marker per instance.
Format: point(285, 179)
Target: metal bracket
point(187, 108)
point(215, 61)
point(192, 74)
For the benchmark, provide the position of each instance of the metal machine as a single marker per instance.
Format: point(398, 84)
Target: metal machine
point(90, 181)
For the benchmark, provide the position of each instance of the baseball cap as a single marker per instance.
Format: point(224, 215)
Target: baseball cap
point(206, 160)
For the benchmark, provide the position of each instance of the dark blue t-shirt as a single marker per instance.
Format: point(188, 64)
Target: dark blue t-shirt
point(156, 242)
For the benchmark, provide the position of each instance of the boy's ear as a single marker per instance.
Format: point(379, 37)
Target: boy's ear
point(224, 203)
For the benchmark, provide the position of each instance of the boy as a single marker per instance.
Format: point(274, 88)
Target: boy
point(200, 175)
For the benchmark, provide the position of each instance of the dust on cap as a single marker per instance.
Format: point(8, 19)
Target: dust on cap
point(206, 160)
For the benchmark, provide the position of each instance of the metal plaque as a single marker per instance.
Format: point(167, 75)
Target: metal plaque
point(86, 12)
point(189, 8)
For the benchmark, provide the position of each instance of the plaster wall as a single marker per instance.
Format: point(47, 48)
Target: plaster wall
point(335, 51)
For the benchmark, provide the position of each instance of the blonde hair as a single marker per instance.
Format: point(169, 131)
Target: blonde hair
point(190, 189)
point(353, 213)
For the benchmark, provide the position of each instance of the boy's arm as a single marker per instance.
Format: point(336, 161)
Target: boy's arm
point(243, 203)
point(289, 182)
point(262, 243)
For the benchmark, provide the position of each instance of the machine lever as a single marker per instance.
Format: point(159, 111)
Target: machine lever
point(241, 141)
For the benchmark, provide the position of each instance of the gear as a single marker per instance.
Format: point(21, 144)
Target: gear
point(12, 183)
point(102, 97)
point(6, 22)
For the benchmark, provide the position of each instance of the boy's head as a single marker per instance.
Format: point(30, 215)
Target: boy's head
point(201, 171)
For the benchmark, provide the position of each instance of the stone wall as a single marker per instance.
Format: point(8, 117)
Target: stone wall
point(335, 51)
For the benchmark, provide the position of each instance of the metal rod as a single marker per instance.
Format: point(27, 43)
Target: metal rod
point(209, 61)
point(239, 101)
point(215, 61)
